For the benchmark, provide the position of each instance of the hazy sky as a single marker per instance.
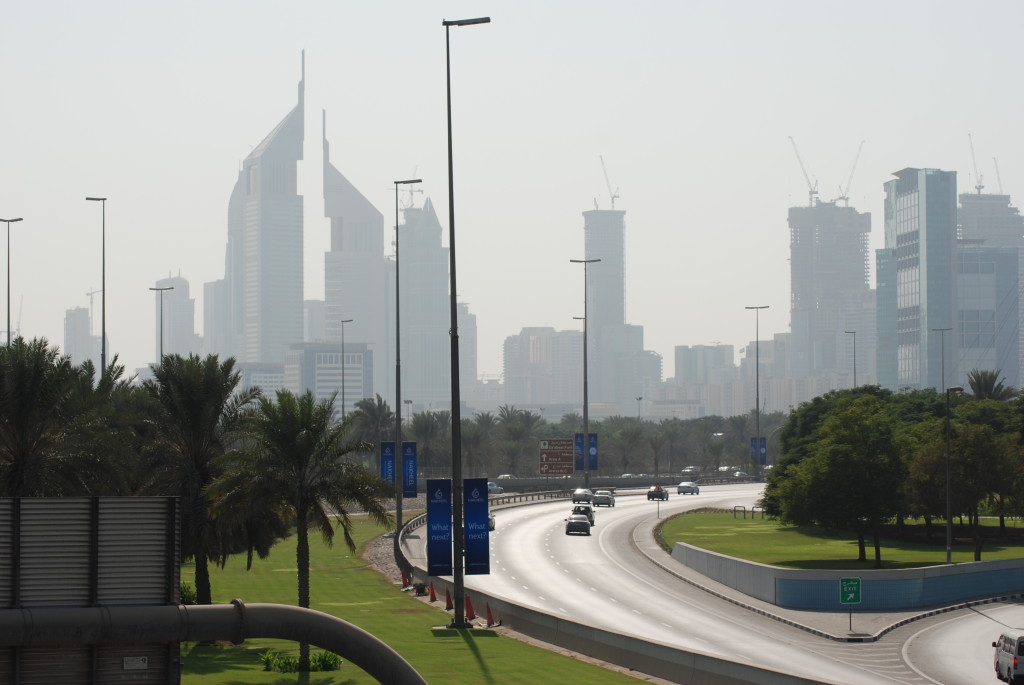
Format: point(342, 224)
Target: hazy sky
point(691, 104)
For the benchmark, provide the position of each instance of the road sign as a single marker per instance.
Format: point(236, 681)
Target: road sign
point(849, 590)
point(556, 457)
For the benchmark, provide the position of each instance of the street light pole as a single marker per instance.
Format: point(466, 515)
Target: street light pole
point(638, 401)
point(343, 365)
point(9, 222)
point(854, 357)
point(949, 498)
point(399, 472)
point(586, 398)
point(757, 378)
point(161, 291)
point(103, 285)
point(458, 533)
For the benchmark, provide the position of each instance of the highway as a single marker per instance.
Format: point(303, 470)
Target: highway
point(602, 580)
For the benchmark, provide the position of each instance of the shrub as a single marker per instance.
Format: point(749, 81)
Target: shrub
point(286, 663)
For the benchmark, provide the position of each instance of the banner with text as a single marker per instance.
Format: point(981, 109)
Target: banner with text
point(439, 527)
point(409, 469)
point(387, 461)
point(591, 452)
point(474, 513)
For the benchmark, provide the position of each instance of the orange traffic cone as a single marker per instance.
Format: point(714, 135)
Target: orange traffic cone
point(469, 609)
point(448, 606)
point(433, 597)
point(490, 617)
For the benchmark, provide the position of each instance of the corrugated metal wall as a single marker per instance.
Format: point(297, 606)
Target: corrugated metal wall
point(89, 551)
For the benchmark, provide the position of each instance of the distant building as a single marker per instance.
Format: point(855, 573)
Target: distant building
point(322, 369)
point(261, 296)
point(178, 327)
point(704, 364)
point(79, 342)
point(544, 367)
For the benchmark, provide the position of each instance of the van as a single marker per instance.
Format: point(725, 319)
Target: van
point(1009, 657)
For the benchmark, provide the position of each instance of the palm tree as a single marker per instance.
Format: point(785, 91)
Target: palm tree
point(985, 385)
point(197, 411)
point(374, 422)
point(298, 465)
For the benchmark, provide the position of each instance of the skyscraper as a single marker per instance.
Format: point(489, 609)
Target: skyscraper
point(261, 297)
point(179, 316)
point(829, 288)
point(917, 346)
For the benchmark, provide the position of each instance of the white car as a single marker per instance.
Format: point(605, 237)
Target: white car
point(687, 488)
point(603, 498)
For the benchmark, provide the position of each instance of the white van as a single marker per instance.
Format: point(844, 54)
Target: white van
point(1009, 657)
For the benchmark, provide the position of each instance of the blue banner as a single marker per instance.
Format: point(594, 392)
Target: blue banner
point(409, 469)
point(439, 527)
point(387, 461)
point(591, 452)
point(754, 458)
point(474, 513)
point(764, 452)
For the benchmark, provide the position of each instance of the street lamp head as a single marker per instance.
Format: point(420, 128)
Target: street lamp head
point(466, 22)
point(346, 320)
point(411, 180)
point(583, 261)
point(11, 221)
point(763, 306)
point(96, 199)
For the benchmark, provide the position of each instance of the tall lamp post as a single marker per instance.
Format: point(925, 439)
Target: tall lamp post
point(162, 291)
point(949, 498)
point(757, 378)
point(854, 357)
point(103, 285)
point(458, 533)
point(586, 398)
point(9, 222)
point(399, 473)
point(343, 365)
point(639, 399)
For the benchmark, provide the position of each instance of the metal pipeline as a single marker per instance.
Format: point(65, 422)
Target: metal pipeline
point(132, 625)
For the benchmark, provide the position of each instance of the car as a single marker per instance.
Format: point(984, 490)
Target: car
point(506, 476)
point(740, 474)
point(690, 470)
point(493, 488)
point(581, 495)
point(657, 492)
point(1009, 649)
point(603, 498)
point(585, 510)
point(490, 520)
point(577, 523)
point(687, 488)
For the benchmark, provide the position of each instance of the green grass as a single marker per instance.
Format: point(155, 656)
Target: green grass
point(344, 585)
point(769, 542)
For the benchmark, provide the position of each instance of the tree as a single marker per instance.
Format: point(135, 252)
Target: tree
point(196, 413)
point(985, 385)
point(297, 464)
point(374, 423)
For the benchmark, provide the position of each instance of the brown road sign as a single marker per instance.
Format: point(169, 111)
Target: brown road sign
point(556, 457)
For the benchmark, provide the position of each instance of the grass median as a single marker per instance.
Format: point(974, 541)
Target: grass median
point(767, 541)
point(343, 584)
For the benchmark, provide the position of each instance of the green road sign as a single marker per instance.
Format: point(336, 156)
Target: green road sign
point(849, 590)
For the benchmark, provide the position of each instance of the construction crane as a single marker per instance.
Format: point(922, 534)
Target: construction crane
point(812, 189)
point(999, 178)
point(411, 190)
point(844, 193)
point(977, 177)
point(611, 195)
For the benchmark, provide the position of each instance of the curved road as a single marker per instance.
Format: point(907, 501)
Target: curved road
point(601, 580)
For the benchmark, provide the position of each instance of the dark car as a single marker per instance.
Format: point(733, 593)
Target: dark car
point(577, 523)
point(657, 492)
point(581, 495)
point(687, 488)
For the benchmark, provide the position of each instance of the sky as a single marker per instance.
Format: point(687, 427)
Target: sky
point(691, 104)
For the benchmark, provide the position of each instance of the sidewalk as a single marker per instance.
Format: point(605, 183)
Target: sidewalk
point(852, 626)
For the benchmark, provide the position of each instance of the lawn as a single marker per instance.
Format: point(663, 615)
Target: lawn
point(344, 585)
point(767, 541)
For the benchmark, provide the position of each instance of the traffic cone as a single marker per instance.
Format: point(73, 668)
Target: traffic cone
point(433, 597)
point(448, 606)
point(405, 579)
point(470, 615)
point(490, 617)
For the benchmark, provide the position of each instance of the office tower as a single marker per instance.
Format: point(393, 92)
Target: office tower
point(613, 346)
point(829, 288)
point(79, 342)
point(916, 282)
point(704, 364)
point(262, 293)
point(544, 367)
point(990, 221)
point(426, 318)
point(179, 315)
point(357, 277)
point(320, 368)
point(313, 318)
point(467, 347)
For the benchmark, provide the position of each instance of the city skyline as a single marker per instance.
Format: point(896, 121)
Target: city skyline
point(690, 107)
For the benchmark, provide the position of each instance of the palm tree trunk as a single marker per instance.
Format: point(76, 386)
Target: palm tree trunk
point(302, 566)
point(203, 591)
